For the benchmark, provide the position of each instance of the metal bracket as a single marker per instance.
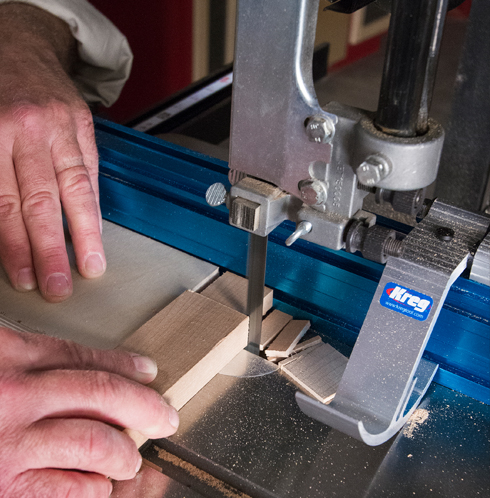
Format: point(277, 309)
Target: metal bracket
point(386, 376)
point(480, 269)
point(273, 94)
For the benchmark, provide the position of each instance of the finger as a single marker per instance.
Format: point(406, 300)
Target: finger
point(88, 146)
point(52, 483)
point(79, 204)
point(100, 396)
point(27, 351)
point(41, 211)
point(15, 248)
point(81, 444)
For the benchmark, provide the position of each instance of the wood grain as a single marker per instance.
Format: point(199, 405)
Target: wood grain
point(272, 325)
point(191, 340)
point(284, 343)
point(231, 290)
point(317, 370)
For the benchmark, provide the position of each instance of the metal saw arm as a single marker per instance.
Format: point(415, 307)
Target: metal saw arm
point(291, 159)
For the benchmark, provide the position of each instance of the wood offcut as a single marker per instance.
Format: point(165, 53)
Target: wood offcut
point(272, 325)
point(284, 343)
point(317, 370)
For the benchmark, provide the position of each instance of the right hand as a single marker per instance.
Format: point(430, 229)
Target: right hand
point(58, 404)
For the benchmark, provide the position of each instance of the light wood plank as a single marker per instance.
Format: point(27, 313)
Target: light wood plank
point(191, 340)
point(143, 276)
point(231, 290)
point(272, 325)
point(317, 370)
point(285, 342)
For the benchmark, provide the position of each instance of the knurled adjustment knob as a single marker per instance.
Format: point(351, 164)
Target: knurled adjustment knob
point(380, 243)
point(216, 194)
point(409, 202)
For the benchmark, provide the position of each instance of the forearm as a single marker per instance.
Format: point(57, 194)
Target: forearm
point(26, 27)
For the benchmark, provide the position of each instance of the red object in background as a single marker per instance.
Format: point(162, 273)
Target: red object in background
point(462, 10)
point(160, 35)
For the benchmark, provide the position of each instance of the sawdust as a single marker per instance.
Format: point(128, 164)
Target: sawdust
point(223, 488)
point(418, 417)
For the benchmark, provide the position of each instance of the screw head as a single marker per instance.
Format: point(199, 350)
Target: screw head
point(313, 192)
point(445, 234)
point(320, 129)
point(374, 169)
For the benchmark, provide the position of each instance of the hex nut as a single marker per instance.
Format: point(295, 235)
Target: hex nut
point(313, 192)
point(373, 169)
point(320, 129)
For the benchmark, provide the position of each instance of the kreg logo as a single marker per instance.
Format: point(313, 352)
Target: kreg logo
point(406, 301)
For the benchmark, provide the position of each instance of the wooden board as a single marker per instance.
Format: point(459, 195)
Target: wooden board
point(284, 343)
point(143, 276)
point(317, 370)
point(191, 340)
point(231, 290)
point(272, 325)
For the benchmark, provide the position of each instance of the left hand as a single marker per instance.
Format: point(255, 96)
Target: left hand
point(48, 159)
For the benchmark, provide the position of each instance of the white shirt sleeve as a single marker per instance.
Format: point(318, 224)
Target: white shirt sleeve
point(103, 49)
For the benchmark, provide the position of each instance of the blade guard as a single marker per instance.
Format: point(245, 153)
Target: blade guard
point(386, 377)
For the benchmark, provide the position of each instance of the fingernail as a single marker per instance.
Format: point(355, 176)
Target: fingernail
point(140, 463)
point(26, 279)
point(145, 365)
point(57, 285)
point(94, 265)
point(173, 417)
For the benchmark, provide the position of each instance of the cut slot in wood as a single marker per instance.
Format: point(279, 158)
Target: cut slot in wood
point(317, 371)
point(284, 343)
point(231, 290)
point(272, 325)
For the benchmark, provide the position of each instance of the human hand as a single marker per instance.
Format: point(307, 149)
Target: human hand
point(48, 158)
point(58, 403)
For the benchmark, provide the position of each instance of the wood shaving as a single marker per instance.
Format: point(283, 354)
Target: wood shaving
point(225, 489)
point(419, 416)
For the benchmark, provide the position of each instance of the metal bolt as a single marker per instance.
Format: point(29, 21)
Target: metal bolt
point(374, 169)
point(302, 229)
point(445, 234)
point(216, 194)
point(320, 129)
point(393, 247)
point(313, 192)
